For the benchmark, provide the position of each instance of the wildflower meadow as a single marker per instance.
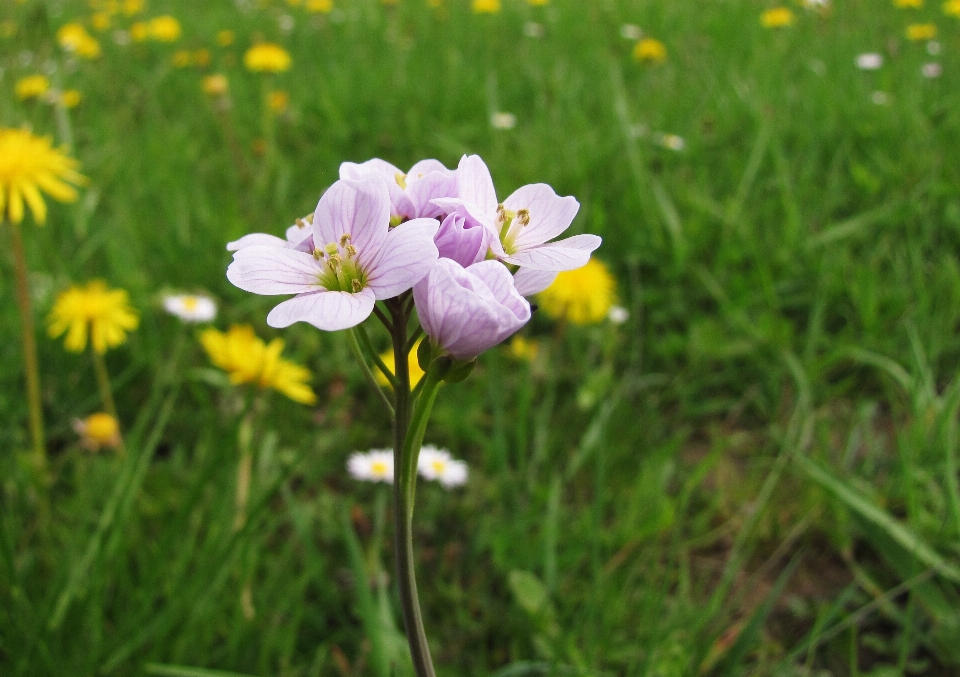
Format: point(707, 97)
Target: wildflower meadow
point(479, 338)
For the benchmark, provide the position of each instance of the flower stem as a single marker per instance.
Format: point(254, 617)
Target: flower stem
point(408, 437)
point(106, 393)
point(365, 368)
point(28, 338)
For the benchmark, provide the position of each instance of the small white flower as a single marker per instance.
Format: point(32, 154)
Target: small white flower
point(503, 120)
point(286, 23)
point(880, 98)
point(870, 61)
point(638, 130)
point(121, 38)
point(933, 48)
point(190, 307)
point(533, 30)
point(436, 464)
point(669, 141)
point(618, 314)
point(931, 70)
point(818, 67)
point(631, 32)
point(374, 466)
point(816, 4)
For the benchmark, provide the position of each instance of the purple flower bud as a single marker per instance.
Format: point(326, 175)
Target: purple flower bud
point(461, 241)
point(468, 310)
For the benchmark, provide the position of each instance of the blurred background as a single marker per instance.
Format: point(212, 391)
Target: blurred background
point(726, 448)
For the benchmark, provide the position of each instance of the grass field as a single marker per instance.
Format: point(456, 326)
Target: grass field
point(756, 474)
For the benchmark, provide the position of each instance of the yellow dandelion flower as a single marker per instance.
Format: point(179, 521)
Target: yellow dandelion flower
point(225, 38)
point(523, 349)
point(389, 2)
point(28, 165)
point(486, 6)
point(73, 37)
point(952, 8)
point(100, 21)
point(778, 17)
point(215, 85)
point(267, 57)
point(908, 4)
point(413, 366)
point(94, 310)
point(98, 431)
point(649, 50)
point(294, 3)
point(278, 101)
point(70, 98)
point(201, 57)
point(8, 28)
point(319, 6)
point(917, 32)
point(32, 87)
point(131, 7)
point(581, 296)
point(247, 359)
point(181, 58)
point(139, 31)
point(538, 3)
point(164, 28)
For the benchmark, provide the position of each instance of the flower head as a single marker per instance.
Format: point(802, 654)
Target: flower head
point(357, 259)
point(650, 50)
point(70, 98)
point(486, 6)
point(918, 32)
point(374, 466)
point(131, 7)
point(32, 87)
point(94, 310)
point(952, 8)
point(778, 17)
point(523, 349)
point(582, 296)
point(869, 61)
point(164, 29)
point(319, 6)
point(502, 120)
point(215, 85)
point(247, 359)
point(225, 38)
point(73, 37)
point(522, 225)
point(190, 307)
point(436, 464)
point(618, 315)
point(465, 311)
point(908, 4)
point(28, 165)
point(98, 431)
point(267, 57)
point(411, 192)
point(278, 101)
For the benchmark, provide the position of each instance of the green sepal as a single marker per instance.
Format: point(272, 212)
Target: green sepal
point(424, 354)
point(459, 370)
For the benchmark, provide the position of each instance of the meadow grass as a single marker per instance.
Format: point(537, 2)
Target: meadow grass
point(756, 474)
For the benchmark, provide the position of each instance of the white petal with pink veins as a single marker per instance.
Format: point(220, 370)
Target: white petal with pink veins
point(529, 281)
point(326, 310)
point(569, 254)
point(407, 255)
point(550, 214)
point(256, 240)
point(273, 270)
point(360, 209)
point(475, 185)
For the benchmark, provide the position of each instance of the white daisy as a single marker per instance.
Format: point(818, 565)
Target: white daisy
point(190, 307)
point(374, 466)
point(870, 61)
point(436, 464)
point(618, 314)
point(503, 120)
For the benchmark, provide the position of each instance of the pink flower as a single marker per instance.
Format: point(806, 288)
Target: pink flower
point(468, 310)
point(299, 236)
point(358, 260)
point(523, 224)
point(462, 240)
point(410, 193)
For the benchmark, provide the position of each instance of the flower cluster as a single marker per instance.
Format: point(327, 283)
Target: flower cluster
point(378, 232)
point(433, 464)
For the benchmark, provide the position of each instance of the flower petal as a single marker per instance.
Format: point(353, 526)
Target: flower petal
point(567, 254)
point(326, 310)
point(274, 270)
point(360, 209)
point(529, 281)
point(424, 167)
point(434, 185)
point(256, 240)
point(400, 204)
point(550, 214)
point(475, 185)
point(406, 256)
point(464, 245)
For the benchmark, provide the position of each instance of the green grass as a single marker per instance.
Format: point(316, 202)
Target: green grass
point(756, 475)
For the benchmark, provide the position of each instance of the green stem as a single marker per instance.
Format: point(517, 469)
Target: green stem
point(404, 442)
point(28, 338)
point(371, 379)
point(106, 393)
point(381, 365)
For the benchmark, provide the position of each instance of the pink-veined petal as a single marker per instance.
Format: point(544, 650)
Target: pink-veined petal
point(475, 185)
point(434, 185)
point(407, 255)
point(550, 214)
point(356, 171)
point(273, 270)
point(500, 283)
point(567, 254)
point(256, 240)
point(529, 281)
point(464, 245)
point(326, 310)
point(424, 167)
point(358, 208)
